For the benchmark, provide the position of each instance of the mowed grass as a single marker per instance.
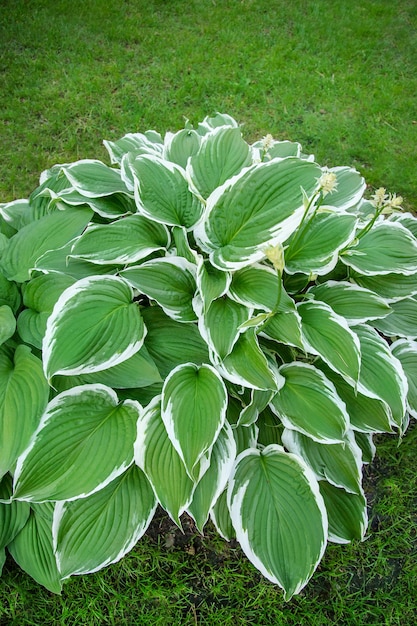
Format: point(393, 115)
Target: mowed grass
point(340, 77)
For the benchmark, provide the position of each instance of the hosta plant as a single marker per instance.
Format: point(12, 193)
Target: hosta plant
point(215, 327)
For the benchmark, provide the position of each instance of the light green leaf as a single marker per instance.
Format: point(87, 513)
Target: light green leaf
point(39, 296)
point(211, 282)
point(171, 343)
point(222, 154)
point(308, 402)
point(387, 248)
point(284, 327)
point(111, 207)
point(24, 395)
point(162, 193)
point(406, 219)
point(194, 402)
point(137, 143)
point(258, 286)
point(278, 515)
point(93, 532)
point(221, 519)
point(381, 374)
point(94, 179)
point(348, 519)
point(367, 414)
point(328, 335)
point(31, 242)
point(157, 457)
point(339, 463)
point(259, 400)
point(261, 206)
point(13, 515)
point(84, 441)
point(314, 248)
point(246, 365)
point(406, 353)
point(123, 241)
point(215, 479)
point(366, 444)
point(350, 188)
point(356, 304)
point(94, 325)
point(32, 548)
point(391, 287)
point(7, 323)
point(220, 325)
point(180, 146)
point(402, 321)
point(170, 281)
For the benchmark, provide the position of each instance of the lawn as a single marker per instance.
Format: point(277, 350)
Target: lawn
point(339, 78)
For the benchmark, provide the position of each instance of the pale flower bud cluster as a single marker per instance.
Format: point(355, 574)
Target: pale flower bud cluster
point(267, 142)
point(275, 254)
point(327, 183)
point(386, 203)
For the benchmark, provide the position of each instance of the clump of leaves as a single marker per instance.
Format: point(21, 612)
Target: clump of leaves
point(216, 327)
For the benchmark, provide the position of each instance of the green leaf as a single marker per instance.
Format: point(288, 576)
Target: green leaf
point(391, 287)
point(23, 397)
point(39, 296)
point(402, 321)
point(278, 515)
point(258, 286)
point(93, 532)
point(84, 441)
point(194, 402)
point(261, 206)
point(31, 242)
point(367, 414)
point(157, 457)
point(220, 325)
point(9, 294)
point(111, 207)
point(136, 372)
point(406, 353)
point(356, 304)
point(136, 143)
point(247, 365)
point(314, 248)
point(215, 479)
point(284, 327)
point(387, 248)
point(350, 188)
point(348, 519)
point(13, 515)
point(222, 154)
point(328, 335)
point(162, 193)
point(180, 146)
point(123, 241)
point(94, 179)
point(221, 519)
point(259, 400)
point(100, 313)
point(32, 548)
point(381, 374)
point(172, 343)
point(7, 323)
point(308, 403)
point(170, 281)
point(211, 282)
point(339, 463)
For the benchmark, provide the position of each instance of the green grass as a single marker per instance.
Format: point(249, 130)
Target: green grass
point(337, 76)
